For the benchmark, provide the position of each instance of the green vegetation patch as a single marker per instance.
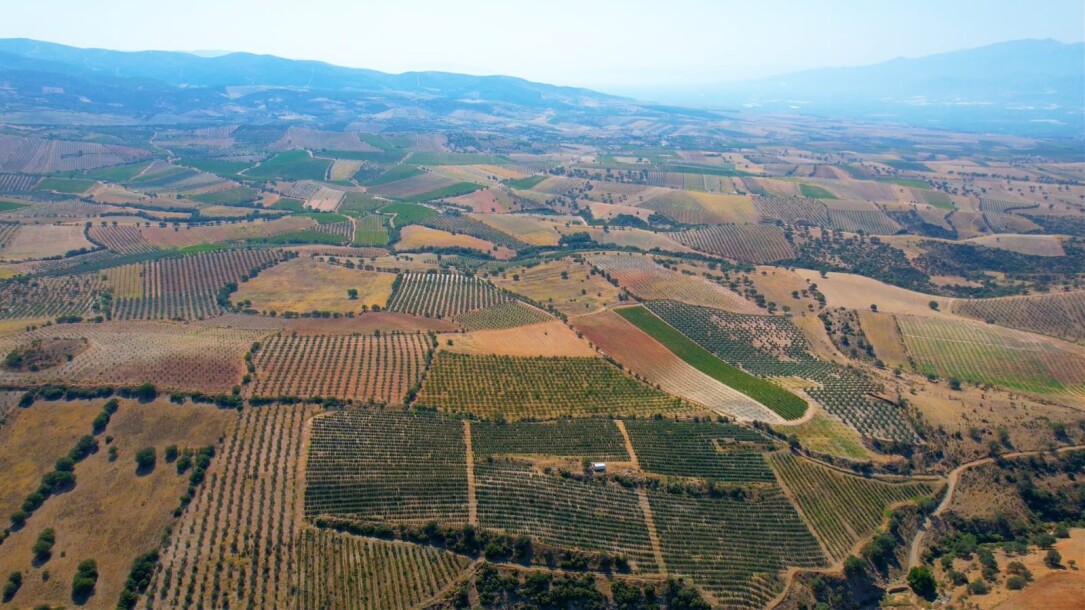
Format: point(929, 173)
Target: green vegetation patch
point(397, 172)
point(291, 165)
point(910, 183)
point(370, 230)
point(384, 157)
point(815, 192)
point(232, 196)
point(786, 404)
point(306, 236)
point(6, 205)
point(710, 170)
point(361, 203)
point(524, 184)
point(65, 185)
point(938, 199)
point(119, 173)
point(911, 166)
point(408, 213)
point(288, 203)
point(325, 218)
point(453, 190)
point(219, 167)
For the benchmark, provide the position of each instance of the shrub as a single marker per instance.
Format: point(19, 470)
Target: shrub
point(86, 577)
point(1016, 583)
point(145, 459)
point(978, 587)
point(43, 548)
point(15, 580)
point(1053, 559)
point(921, 580)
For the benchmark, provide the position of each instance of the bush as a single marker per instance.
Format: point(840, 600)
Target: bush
point(921, 580)
point(171, 453)
point(86, 577)
point(1053, 559)
point(1016, 583)
point(853, 566)
point(43, 547)
point(145, 459)
point(978, 587)
point(15, 580)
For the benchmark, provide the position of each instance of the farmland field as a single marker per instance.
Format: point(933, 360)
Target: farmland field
point(546, 337)
point(650, 281)
point(292, 165)
point(747, 243)
point(570, 287)
point(508, 386)
point(358, 368)
point(442, 295)
point(1057, 314)
point(303, 285)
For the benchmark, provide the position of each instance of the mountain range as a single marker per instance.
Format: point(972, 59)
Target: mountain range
point(1027, 86)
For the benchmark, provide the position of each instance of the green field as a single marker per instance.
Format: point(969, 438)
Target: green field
point(325, 218)
point(384, 157)
point(786, 404)
point(408, 213)
point(361, 203)
point(303, 237)
point(524, 184)
point(938, 199)
point(454, 190)
point(288, 203)
point(710, 170)
point(397, 172)
point(910, 183)
point(291, 165)
point(370, 230)
point(119, 173)
point(232, 196)
point(65, 185)
point(814, 191)
point(219, 167)
point(6, 206)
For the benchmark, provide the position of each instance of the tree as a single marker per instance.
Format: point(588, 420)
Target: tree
point(1053, 559)
point(921, 580)
point(145, 459)
point(978, 587)
point(43, 547)
point(15, 580)
point(853, 566)
point(352, 293)
point(86, 577)
point(934, 305)
point(145, 393)
point(955, 384)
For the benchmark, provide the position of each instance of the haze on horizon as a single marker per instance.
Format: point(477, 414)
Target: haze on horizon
point(610, 45)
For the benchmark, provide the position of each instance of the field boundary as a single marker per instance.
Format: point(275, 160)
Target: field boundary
point(472, 503)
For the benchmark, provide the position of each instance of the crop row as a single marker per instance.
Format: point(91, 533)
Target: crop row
point(747, 243)
point(1057, 314)
point(458, 224)
point(597, 439)
point(443, 295)
point(124, 239)
point(505, 315)
point(646, 279)
point(17, 182)
point(720, 451)
point(792, 210)
point(381, 368)
point(48, 297)
point(517, 388)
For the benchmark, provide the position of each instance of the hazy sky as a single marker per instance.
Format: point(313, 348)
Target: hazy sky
point(596, 43)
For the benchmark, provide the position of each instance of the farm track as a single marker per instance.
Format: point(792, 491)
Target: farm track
point(954, 477)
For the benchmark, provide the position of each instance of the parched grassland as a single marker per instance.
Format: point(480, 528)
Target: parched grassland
point(1059, 314)
point(648, 280)
point(387, 466)
point(415, 238)
point(44, 241)
point(517, 388)
point(347, 367)
point(843, 509)
point(443, 295)
point(719, 451)
point(982, 354)
point(344, 571)
point(303, 285)
point(548, 338)
point(783, 402)
point(569, 286)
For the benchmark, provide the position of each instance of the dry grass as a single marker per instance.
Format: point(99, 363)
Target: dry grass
point(416, 237)
point(343, 169)
point(43, 241)
point(112, 515)
point(581, 293)
point(525, 228)
point(303, 285)
point(545, 339)
point(169, 238)
point(882, 332)
point(858, 292)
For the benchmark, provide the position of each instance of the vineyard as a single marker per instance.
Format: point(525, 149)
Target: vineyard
point(443, 295)
point(650, 281)
point(873, 222)
point(48, 297)
point(505, 315)
point(724, 452)
point(236, 544)
point(841, 508)
point(793, 210)
point(588, 516)
point(773, 346)
point(355, 368)
point(370, 230)
point(385, 466)
point(987, 354)
point(16, 183)
point(597, 439)
point(42, 156)
point(123, 239)
point(747, 243)
point(1057, 314)
point(519, 388)
point(733, 549)
point(352, 573)
point(187, 287)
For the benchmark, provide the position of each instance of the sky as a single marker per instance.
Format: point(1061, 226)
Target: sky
point(604, 44)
